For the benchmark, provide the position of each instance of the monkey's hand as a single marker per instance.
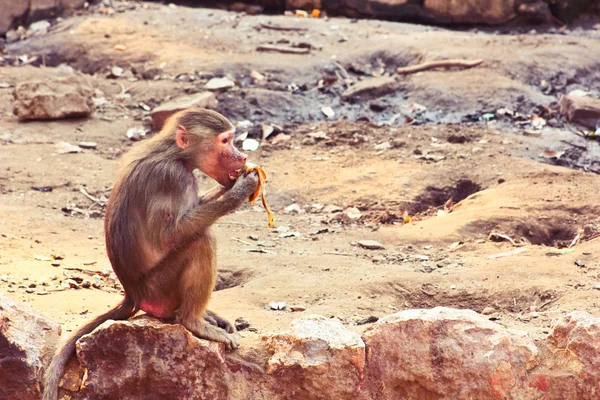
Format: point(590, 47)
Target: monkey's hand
point(245, 185)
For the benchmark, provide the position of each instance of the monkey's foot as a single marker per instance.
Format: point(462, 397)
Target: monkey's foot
point(221, 322)
point(205, 330)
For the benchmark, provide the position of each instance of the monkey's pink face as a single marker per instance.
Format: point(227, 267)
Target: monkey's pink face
point(227, 160)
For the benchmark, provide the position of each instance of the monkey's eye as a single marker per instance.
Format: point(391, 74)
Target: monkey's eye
point(224, 141)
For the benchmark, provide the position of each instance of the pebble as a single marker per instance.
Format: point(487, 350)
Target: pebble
point(353, 213)
point(488, 310)
point(253, 237)
point(297, 308)
point(88, 145)
point(330, 209)
point(368, 320)
point(86, 284)
point(97, 281)
point(219, 84)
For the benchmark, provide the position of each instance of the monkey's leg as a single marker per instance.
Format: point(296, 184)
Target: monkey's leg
point(196, 285)
point(214, 319)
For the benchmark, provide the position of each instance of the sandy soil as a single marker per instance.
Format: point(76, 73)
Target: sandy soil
point(492, 170)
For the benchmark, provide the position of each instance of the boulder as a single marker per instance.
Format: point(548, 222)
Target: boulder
point(371, 88)
point(200, 100)
point(147, 359)
point(581, 109)
point(573, 367)
point(56, 98)
point(13, 13)
point(444, 353)
point(27, 343)
point(318, 358)
point(491, 12)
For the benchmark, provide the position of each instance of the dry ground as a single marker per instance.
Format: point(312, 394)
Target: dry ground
point(434, 260)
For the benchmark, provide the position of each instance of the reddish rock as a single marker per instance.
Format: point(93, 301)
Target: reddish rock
point(200, 100)
point(27, 343)
point(584, 110)
point(445, 354)
point(318, 358)
point(572, 368)
point(53, 99)
point(146, 359)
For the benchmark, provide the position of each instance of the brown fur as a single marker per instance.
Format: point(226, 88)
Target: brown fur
point(157, 232)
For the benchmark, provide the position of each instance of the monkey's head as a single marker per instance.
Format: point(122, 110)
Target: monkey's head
point(206, 137)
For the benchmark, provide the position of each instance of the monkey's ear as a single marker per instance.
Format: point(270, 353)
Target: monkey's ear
point(181, 137)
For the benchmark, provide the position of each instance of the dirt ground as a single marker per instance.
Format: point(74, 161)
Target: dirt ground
point(440, 145)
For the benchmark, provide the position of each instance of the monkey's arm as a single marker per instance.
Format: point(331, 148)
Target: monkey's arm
point(212, 194)
point(199, 218)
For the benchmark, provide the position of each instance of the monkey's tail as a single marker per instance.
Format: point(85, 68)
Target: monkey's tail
point(55, 370)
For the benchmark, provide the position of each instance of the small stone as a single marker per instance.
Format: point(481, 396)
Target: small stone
point(257, 76)
point(253, 237)
point(330, 209)
point(318, 135)
point(383, 146)
point(293, 209)
point(30, 291)
point(242, 324)
point(88, 145)
point(97, 281)
point(72, 284)
point(116, 72)
point(371, 245)
point(67, 148)
point(216, 84)
point(371, 88)
point(488, 310)
point(86, 284)
point(136, 134)
point(32, 285)
point(250, 144)
point(328, 111)
point(353, 213)
point(297, 308)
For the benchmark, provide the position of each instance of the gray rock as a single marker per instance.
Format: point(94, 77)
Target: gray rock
point(53, 99)
point(371, 88)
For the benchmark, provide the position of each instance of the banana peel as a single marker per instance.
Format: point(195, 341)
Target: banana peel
point(260, 190)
